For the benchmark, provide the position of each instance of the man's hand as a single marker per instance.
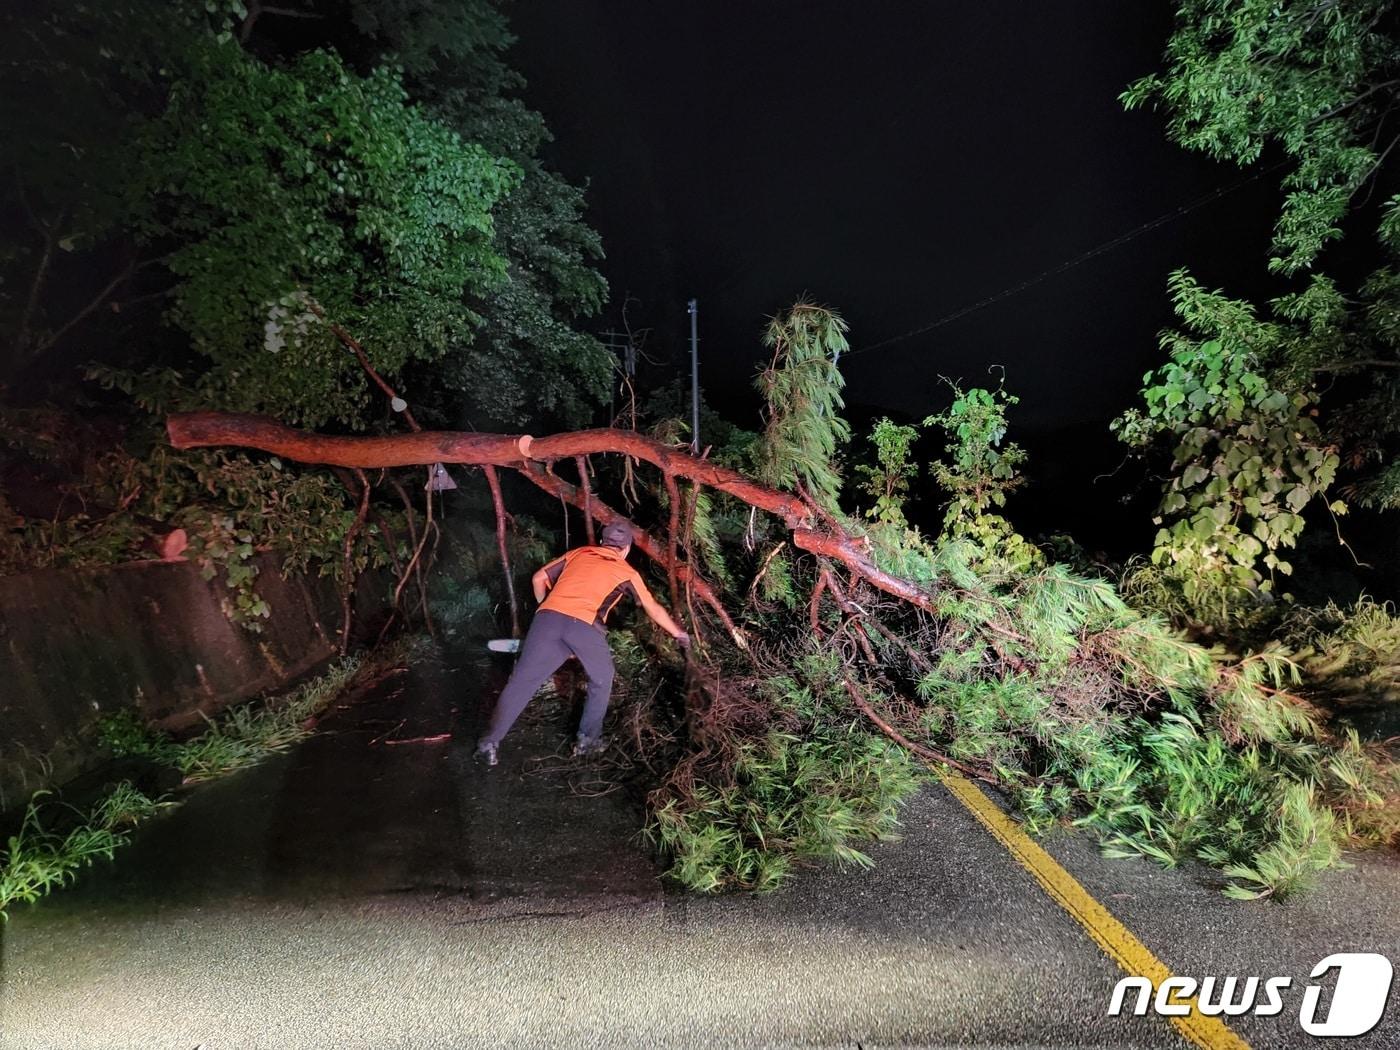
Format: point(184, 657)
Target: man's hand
point(683, 640)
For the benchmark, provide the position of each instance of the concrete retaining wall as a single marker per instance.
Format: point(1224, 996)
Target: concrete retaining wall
point(75, 644)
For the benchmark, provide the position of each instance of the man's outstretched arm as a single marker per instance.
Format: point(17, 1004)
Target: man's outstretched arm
point(661, 617)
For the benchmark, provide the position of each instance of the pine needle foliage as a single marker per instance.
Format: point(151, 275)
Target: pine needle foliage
point(706, 523)
point(809, 792)
point(1351, 654)
point(804, 431)
point(1089, 711)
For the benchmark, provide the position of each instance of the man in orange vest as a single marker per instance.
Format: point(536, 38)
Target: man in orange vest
point(576, 593)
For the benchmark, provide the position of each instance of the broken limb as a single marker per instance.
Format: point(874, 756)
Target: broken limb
point(205, 429)
point(926, 753)
point(581, 462)
point(348, 583)
point(498, 503)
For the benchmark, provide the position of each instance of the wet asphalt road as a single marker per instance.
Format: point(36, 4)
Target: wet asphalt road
point(363, 893)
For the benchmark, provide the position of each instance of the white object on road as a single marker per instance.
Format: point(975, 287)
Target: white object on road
point(504, 645)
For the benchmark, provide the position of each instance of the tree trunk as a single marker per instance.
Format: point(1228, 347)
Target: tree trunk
point(206, 429)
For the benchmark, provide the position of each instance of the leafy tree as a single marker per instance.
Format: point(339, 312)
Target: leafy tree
point(269, 198)
point(1351, 346)
point(252, 181)
point(887, 483)
point(310, 189)
point(1316, 81)
point(528, 346)
point(1314, 78)
point(1247, 455)
point(979, 473)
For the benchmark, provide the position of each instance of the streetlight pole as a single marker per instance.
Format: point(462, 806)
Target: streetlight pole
point(694, 381)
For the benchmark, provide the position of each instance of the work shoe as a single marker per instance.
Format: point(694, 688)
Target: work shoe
point(486, 751)
point(589, 745)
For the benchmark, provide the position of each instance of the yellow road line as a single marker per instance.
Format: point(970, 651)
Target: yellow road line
point(1112, 936)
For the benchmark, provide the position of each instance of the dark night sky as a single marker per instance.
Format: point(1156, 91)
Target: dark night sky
point(898, 161)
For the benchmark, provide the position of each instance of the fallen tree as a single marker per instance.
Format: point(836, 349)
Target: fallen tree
point(525, 454)
point(798, 730)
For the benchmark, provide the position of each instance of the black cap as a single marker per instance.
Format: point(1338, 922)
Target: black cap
point(617, 534)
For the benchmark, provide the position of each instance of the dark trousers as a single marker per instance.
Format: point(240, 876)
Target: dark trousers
point(552, 639)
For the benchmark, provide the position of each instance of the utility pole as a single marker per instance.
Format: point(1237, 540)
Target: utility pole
point(694, 382)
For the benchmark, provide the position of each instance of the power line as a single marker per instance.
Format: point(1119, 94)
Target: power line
point(1083, 257)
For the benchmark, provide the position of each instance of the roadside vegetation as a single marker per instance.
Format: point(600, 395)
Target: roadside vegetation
point(1089, 708)
point(1192, 708)
point(239, 738)
point(55, 842)
point(57, 839)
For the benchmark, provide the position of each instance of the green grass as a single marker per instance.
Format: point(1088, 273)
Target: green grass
point(55, 840)
point(238, 739)
point(39, 858)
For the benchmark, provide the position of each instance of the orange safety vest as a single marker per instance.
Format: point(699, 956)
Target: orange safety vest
point(588, 582)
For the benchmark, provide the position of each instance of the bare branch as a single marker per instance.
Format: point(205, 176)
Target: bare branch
point(1364, 362)
point(1354, 101)
point(348, 584)
point(96, 301)
point(256, 9)
point(926, 753)
point(355, 348)
point(32, 301)
point(581, 462)
point(498, 503)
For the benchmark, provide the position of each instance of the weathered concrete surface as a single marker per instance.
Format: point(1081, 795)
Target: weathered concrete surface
point(75, 644)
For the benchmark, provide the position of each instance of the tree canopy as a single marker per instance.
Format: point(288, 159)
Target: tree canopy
point(1264, 408)
point(1315, 79)
point(263, 191)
